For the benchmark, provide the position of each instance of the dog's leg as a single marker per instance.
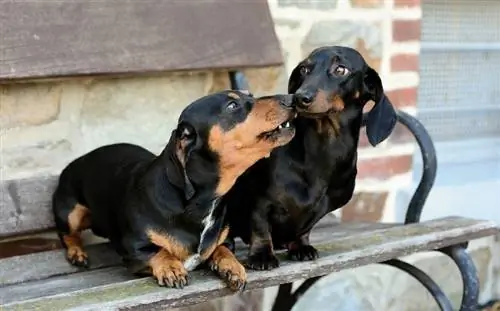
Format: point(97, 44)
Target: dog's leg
point(168, 270)
point(301, 249)
point(261, 255)
point(69, 228)
point(225, 264)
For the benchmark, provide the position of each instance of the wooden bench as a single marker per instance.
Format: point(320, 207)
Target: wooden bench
point(156, 36)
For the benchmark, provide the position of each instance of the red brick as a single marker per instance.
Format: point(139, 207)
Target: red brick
point(364, 49)
point(401, 135)
point(403, 97)
point(404, 62)
point(384, 167)
point(399, 98)
point(406, 3)
point(363, 140)
point(27, 246)
point(365, 206)
point(406, 30)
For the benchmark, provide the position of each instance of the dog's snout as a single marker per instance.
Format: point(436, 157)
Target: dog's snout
point(304, 98)
point(288, 101)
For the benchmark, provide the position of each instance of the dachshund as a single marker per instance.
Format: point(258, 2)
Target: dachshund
point(163, 214)
point(285, 195)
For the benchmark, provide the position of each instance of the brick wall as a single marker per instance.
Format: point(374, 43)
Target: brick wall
point(387, 33)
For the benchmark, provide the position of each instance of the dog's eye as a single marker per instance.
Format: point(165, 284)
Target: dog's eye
point(232, 106)
point(304, 70)
point(340, 71)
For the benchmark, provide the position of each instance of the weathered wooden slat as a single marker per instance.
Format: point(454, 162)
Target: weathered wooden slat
point(25, 204)
point(78, 37)
point(336, 253)
point(44, 265)
point(65, 283)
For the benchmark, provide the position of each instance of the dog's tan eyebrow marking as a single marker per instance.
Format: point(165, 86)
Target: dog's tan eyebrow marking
point(233, 95)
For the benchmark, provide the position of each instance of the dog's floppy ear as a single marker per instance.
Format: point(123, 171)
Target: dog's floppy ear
point(182, 143)
point(382, 117)
point(295, 80)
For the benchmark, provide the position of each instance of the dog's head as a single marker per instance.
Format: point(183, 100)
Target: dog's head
point(221, 135)
point(338, 80)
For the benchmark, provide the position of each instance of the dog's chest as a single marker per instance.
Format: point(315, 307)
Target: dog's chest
point(298, 204)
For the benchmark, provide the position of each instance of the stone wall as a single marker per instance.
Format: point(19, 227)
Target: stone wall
point(44, 125)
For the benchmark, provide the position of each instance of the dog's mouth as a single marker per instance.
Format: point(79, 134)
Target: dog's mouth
point(284, 129)
point(310, 115)
point(316, 115)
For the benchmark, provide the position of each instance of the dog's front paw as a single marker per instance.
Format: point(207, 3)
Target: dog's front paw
point(302, 252)
point(77, 257)
point(263, 259)
point(170, 273)
point(231, 271)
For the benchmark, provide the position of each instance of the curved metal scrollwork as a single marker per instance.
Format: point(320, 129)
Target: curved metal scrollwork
point(462, 259)
point(434, 289)
point(429, 164)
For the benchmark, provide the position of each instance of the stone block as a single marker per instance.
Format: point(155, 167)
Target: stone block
point(139, 110)
point(367, 3)
point(267, 81)
point(309, 4)
point(409, 294)
point(43, 157)
point(365, 36)
point(245, 301)
point(28, 104)
point(262, 81)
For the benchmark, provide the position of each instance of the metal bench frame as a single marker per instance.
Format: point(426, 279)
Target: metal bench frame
point(286, 299)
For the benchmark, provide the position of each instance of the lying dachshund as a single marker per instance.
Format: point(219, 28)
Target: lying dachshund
point(286, 194)
point(162, 213)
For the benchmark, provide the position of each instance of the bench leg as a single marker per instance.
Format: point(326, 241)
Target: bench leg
point(443, 302)
point(468, 271)
point(285, 299)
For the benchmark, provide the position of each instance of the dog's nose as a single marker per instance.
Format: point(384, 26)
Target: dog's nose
point(288, 101)
point(304, 98)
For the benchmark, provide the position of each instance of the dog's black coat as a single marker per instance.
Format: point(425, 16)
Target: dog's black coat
point(147, 204)
point(285, 195)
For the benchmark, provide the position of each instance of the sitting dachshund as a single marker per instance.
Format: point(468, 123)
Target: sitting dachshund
point(286, 194)
point(162, 213)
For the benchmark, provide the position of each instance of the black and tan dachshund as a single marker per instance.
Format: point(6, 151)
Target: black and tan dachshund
point(162, 213)
point(285, 195)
